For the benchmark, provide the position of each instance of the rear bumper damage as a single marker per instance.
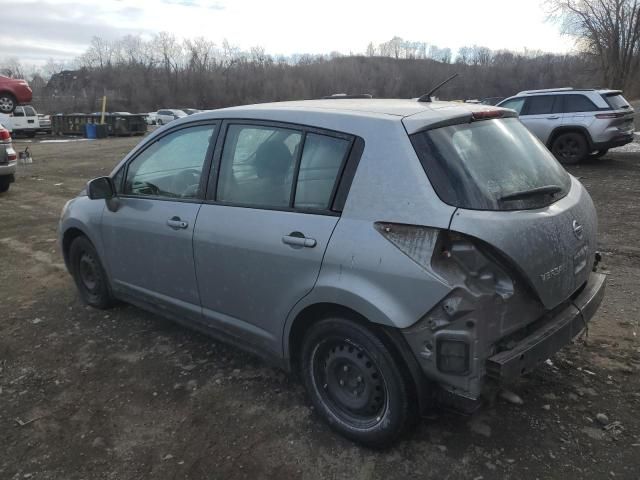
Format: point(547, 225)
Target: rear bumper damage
point(557, 332)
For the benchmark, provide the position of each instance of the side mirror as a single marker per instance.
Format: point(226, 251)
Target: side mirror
point(101, 188)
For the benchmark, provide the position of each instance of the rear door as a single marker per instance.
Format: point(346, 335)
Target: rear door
point(261, 236)
point(542, 114)
point(148, 232)
point(578, 110)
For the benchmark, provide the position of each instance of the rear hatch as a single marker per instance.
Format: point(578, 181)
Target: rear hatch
point(624, 113)
point(512, 194)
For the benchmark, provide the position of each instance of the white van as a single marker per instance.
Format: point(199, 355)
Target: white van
point(24, 120)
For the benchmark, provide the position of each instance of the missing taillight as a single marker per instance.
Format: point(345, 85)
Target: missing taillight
point(415, 241)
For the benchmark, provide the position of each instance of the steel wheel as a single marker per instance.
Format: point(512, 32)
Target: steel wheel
point(87, 271)
point(350, 382)
point(357, 381)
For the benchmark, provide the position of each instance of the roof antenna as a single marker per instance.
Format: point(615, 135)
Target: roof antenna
point(427, 96)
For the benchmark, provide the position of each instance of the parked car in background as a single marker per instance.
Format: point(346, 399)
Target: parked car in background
point(191, 111)
point(151, 118)
point(491, 100)
point(44, 122)
point(13, 92)
point(573, 123)
point(284, 229)
point(23, 121)
point(8, 160)
point(168, 115)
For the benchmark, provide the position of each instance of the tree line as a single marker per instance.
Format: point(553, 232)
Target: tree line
point(141, 75)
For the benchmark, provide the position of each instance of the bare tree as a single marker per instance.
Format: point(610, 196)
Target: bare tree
point(607, 29)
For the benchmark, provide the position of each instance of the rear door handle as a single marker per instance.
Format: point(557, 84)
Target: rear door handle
point(553, 117)
point(297, 239)
point(176, 223)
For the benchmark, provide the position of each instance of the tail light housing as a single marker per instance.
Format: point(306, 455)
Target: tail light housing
point(5, 136)
point(603, 116)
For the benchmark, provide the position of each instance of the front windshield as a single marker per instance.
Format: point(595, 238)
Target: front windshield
point(490, 165)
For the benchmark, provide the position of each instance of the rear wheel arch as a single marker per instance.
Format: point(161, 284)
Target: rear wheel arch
point(569, 129)
point(314, 313)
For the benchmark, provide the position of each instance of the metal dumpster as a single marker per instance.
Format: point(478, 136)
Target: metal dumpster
point(116, 123)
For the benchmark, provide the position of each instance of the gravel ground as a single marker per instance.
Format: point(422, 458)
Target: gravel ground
point(87, 394)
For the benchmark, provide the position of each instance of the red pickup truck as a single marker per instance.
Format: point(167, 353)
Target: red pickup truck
point(13, 92)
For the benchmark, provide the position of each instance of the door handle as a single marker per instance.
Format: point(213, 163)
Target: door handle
point(297, 239)
point(176, 223)
point(553, 117)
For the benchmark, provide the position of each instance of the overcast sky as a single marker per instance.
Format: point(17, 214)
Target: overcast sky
point(36, 30)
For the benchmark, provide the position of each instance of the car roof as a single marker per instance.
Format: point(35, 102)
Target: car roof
point(412, 113)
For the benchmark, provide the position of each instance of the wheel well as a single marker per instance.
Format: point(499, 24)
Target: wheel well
point(310, 316)
point(69, 236)
point(392, 337)
point(8, 92)
point(569, 129)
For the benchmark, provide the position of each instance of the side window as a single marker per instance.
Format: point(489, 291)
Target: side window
point(18, 112)
point(258, 165)
point(540, 105)
point(320, 165)
point(29, 112)
point(514, 104)
point(578, 103)
point(171, 167)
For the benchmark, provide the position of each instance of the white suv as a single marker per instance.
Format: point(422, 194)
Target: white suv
point(575, 124)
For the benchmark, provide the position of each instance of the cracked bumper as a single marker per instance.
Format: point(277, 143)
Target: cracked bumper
point(544, 342)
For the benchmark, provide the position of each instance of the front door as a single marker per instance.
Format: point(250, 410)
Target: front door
point(259, 242)
point(148, 231)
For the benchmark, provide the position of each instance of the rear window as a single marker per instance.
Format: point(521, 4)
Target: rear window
point(490, 165)
point(616, 101)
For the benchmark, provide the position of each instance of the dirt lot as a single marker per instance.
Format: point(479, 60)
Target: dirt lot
point(127, 395)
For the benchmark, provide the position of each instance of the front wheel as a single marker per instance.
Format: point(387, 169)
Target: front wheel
point(599, 153)
point(570, 148)
point(89, 275)
point(356, 382)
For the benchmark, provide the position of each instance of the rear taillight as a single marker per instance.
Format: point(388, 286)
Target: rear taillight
point(609, 115)
point(5, 135)
point(11, 154)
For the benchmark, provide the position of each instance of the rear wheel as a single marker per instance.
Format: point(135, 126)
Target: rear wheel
point(5, 181)
point(570, 148)
point(89, 275)
point(8, 103)
point(356, 383)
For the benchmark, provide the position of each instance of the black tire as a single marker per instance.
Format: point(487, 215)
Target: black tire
point(356, 382)
point(8, 103)
point(599, 153)
point(89, 275)
point(570, 148)
point(159, 122)
point(5, 181)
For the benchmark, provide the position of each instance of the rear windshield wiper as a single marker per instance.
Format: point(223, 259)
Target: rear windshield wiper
point(545, 190)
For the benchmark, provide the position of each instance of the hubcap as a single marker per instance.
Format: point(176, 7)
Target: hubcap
point(88, 272)
point(349, 382)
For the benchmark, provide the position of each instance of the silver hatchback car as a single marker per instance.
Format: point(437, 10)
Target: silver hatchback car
point(394, 253)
